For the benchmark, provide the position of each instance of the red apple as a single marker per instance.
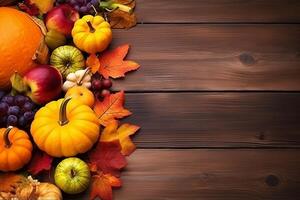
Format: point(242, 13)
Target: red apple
point(44, 83)
point(61, 19)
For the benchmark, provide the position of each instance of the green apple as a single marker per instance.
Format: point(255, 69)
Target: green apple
point(67, 59)
point(55, 39)
point(72, 175)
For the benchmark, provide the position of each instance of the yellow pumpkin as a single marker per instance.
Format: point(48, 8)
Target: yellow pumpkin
point(65, 128)
point(91, 34)
point(15, 149)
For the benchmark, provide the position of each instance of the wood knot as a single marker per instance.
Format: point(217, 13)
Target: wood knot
point(261, 136)
point(247, 59)
point(272, 180)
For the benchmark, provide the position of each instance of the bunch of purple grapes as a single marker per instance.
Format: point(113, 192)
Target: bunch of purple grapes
point(16, 111)
point(82, 6)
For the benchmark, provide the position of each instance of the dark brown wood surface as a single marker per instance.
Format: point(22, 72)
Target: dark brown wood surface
point(218, 11)
point(218, 100)
point(213, 57)
point(222, 119)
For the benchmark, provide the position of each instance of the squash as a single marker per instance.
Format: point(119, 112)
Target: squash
point(21, 44)
point(65, 128)
point(15, 149)
point(34, 190)
point(82, 94)
point(91, 34)
point(81, 77)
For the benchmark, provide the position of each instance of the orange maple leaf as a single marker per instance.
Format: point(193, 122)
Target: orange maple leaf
point(111, 108)
point(93, 63)
point(112, 132)
point(102, 186)
point(112, 63)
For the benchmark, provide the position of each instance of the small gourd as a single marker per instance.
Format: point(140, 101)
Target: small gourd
point(65, 128)
point(15, 149)
point(78, 78)
point(91, 34)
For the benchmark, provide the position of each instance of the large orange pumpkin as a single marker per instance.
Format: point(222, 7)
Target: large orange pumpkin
point(20, 38)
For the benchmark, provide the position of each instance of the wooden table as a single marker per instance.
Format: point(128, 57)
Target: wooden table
point(217, 98)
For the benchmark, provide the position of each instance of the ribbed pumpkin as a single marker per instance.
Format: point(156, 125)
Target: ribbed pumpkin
point(65, 128)
point(15, 149)
point(20, 37)
point(91, 34)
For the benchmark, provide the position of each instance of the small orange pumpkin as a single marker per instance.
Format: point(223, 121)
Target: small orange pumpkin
point(82, 94)
point(65, 128)
point(15, 149)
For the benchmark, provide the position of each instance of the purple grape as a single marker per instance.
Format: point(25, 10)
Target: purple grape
point(3, 120)
point(28, 106)
point(29, 115)
point(3, 108)
point(12, 120)
point(73, 2)
point(22, 121)
point(76, 7)
point(20, 100)
point(8, 99)
point(83, 9)
point(13, 110)
point(2, 94)
point(88, 5)
point(95, 2)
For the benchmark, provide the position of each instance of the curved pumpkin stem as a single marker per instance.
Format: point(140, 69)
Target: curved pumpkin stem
point(63, 120)
point(92, 29)
point(87, 70)
point(6, 138)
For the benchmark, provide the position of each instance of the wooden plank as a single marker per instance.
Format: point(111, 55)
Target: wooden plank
point(216, 119)
point(217, 11)
point(210, 175)
point(212, 57)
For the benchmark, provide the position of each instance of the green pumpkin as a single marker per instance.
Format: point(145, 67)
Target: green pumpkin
point(67, 59)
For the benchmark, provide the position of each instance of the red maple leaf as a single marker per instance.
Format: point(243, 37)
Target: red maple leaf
point(111, 108)
point(107, 157)
point(39, 162)
point(112, 63)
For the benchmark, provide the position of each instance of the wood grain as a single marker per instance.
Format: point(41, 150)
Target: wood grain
point(189, 120)
point(210, 175)
point(217, 11)
point(212, 57)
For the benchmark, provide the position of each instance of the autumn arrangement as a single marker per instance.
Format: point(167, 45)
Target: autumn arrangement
point(60, 129)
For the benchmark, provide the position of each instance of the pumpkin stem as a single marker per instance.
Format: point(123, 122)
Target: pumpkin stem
point(87, 70)
point(5, 136)
point(92, 29)
point(63, 120)
point(73, 173)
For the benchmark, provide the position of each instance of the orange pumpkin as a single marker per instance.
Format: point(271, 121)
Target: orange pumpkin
point(20, 38)
point(82, 94)
point(15, 149)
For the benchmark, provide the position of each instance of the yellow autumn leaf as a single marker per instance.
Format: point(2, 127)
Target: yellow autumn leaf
point(123, 133)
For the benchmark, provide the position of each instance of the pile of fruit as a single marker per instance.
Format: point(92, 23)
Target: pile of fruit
point(57, 110)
